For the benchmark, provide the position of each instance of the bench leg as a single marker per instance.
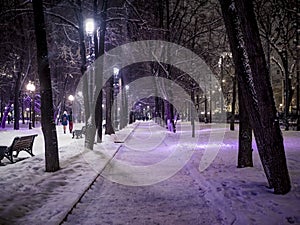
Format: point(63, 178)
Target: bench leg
point(30, 152)
point(9, 156)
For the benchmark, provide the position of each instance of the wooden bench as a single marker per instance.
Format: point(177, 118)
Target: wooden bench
point(19, 144)
point(79, 133)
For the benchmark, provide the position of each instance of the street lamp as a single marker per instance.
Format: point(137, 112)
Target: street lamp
point(89, 26)
point(116, 71)
point(71, 98)
point(31, 88)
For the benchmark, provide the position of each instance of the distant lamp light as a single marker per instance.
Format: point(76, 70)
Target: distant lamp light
point(71, 98)
point(89, 26)
point(116, 71)
point(30, 86)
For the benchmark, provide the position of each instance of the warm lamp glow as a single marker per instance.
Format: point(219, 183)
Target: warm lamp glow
point(71, 98)
point(116, 71)
point(30, 86)
point(89, 26)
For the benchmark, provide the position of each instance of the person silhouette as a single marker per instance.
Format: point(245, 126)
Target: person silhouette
point(70, 118)
point(64, 121)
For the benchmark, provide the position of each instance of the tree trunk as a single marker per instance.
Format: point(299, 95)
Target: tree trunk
point(162, 102)
point(205, 109)
point(47, 119)
point(192, 112)
point(33, 110)
point(232, 120)
point(245, 136)
point(287, 88)
point(109, 129)
point(298, 66)
point(169, 106)
point(126, 107)
point(256, 89)
point(122, 108)
point(1, 105)
point(5, 115)
point(16, 99)
point(156, 108)
point(99, 114)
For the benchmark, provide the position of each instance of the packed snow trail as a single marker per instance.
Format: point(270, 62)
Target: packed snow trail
point(177, 200)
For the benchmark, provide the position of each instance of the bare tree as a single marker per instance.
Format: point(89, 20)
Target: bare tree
point(276, 20)
point(48, 124)
point(249, 59)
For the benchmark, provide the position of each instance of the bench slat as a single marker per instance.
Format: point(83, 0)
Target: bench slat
point(24, 143)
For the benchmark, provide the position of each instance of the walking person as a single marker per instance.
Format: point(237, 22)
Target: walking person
point(70, 117)
point(64, 121)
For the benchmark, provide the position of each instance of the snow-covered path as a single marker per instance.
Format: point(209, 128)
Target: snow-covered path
point(177, 200)
point(222, 194)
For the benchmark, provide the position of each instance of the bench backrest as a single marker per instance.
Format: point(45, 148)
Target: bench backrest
point(24, 142)
point(83, 129)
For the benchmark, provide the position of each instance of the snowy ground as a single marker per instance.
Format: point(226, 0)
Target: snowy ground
point(127, 193)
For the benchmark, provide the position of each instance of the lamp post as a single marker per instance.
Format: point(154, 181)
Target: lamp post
point(287, 87)
point(126, 104)
point(297, 43)
point(33, 108)
point(71, 98)
point(31, 88)
point(90, 28)
point(283, 53)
